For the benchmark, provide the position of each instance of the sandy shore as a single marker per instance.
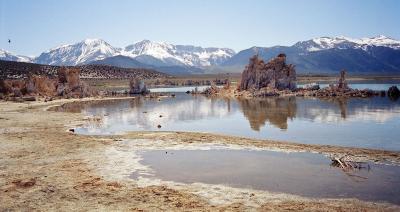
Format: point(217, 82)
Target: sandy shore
point(45, 167)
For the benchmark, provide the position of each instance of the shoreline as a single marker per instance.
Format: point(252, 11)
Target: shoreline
point(44, 166)
point(184, 138)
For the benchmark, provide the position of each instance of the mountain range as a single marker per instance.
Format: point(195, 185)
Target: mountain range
point(8, 56)
point(327, 55)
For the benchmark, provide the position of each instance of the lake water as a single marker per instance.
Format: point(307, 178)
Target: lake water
point(305, 174)
point(360, 86)
point(372, 86)
point(178, 89)
point(358, 122)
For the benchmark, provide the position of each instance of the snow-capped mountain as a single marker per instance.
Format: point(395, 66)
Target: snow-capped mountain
point(79, 53)
point(341, 42)
point(179, 54)
point(5, 55)
point(377, 55)
point(144, 51)
point(319, 55)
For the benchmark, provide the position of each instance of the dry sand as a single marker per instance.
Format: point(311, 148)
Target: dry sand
point(44, 167)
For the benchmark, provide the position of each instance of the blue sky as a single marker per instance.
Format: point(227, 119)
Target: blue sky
point(37, 25)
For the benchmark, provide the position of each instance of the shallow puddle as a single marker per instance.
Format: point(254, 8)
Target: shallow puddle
point(304, 174)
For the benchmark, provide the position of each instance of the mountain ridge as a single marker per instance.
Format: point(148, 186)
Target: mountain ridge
point(90, 50)
point(379, 54)
point(8, 56)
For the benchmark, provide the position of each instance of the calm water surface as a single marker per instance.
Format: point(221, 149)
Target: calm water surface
point(370, 122)
point(372, 86)
point(305, 174)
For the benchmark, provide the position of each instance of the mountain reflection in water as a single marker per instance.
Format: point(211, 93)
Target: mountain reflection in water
point(369, 122)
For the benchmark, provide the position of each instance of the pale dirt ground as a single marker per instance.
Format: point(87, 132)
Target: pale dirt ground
point(44, 167)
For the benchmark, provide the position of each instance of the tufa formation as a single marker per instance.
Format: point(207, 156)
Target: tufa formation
point(275, 74)
point(394, 93)
point(66, 85)
point(137, 86)
point(70, 85)
point(342, 83)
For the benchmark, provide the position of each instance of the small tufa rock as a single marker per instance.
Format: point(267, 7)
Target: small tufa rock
point(137, 86)
point(158, 126)
point(312, 87)
point(393, 93)
point(212, 90)
point(342, 84)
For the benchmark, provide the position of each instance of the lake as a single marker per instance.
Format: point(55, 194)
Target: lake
point(356, 122)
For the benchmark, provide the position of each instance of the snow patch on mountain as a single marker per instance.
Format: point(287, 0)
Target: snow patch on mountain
point(381, 40)
point(341, 42)
point(79, 53)
point(180, 54)
point(6, 55)
point(91, 50)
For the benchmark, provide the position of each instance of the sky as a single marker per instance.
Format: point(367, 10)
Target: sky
point(35, 26)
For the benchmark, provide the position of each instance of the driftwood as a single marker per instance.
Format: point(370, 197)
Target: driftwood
point(347, 165)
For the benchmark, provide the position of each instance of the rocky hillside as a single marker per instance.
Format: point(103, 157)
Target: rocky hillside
point(128, 62)
point(112, 72)
point(17, 70)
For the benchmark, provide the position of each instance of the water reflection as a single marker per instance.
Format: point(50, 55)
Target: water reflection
point(369, 122)
point(276, 111)
point(295, 173)
point(97, 106)
point(335, 110)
